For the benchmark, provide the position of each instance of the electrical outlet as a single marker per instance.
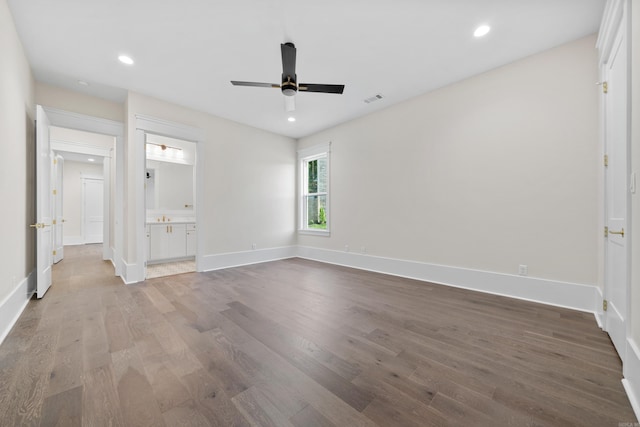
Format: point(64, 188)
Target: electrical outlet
point(254, 246)
point(523, 270)
point(346, 248)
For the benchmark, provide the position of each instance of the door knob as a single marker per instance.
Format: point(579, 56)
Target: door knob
point(621, 232)
point(39, 225)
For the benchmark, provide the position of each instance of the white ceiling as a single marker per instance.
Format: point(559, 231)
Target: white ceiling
point(186, 52)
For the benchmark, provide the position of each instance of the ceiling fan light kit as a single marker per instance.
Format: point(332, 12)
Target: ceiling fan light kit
point(289, 82)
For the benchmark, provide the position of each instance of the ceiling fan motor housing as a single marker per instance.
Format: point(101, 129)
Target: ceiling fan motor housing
point(289, 86)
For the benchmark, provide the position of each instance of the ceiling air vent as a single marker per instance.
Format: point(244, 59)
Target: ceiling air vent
point(373, 99)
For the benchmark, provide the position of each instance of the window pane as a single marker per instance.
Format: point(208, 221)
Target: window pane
point(322, 175)
point(312, 176)
point(317, 212)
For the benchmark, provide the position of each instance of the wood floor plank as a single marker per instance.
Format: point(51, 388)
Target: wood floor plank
point(211, 399)
point(67, 370)
point(258, 410)
point(186, 415)
point(169, 392)
point(309, 417)
point(118, 335)
point(100, 402)
point(63, 409)
point(301, 343)
point(137, 402)
point(26, 396)
point(265, 332)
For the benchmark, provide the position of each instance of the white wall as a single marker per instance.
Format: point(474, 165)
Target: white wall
point(72, 197)
point(489, 173)
point(63, 99)
point(249, 180)
point(17, 163)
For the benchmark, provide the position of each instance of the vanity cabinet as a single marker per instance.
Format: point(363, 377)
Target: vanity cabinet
point(170, 241)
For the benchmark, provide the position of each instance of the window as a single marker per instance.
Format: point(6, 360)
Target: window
point(314, 200)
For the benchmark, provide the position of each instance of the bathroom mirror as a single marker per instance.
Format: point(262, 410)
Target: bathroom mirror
point(169, 186)
point(169, 175)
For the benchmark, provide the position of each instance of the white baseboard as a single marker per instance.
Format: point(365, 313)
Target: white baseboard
point(599, 314)
point(131, 273)
point(236, 259)
point(72, 240)
point(631, 371)
point(561, 294)
point(13, 305)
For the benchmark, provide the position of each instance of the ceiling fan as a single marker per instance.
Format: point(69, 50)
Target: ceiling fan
point(289, 83)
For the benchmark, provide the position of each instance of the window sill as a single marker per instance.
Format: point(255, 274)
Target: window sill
point(324, 233)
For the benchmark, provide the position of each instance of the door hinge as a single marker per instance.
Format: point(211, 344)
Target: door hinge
point(54, 252)
point(55, 161)
point(606, 160)
point(604, 305)
point(55, 192)
point(54, 222)
point(606, 231)
point(605, 87)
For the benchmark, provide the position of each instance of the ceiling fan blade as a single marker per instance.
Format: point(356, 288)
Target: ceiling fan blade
point(289, 103)
point(254, 84)
point(312, 87)
point(288, 61)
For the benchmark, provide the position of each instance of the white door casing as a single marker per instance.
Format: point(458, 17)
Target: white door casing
point(58, 224)
point(93, 210)
point(616, 145)
point(115, 248)
point(157, 126)
point(44, 235)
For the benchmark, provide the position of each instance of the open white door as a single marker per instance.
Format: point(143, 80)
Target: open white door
point(44, 239)
point(616, 192)
point(58, 219)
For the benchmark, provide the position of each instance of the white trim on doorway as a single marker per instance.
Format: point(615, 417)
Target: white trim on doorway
point(66, 119)
point(146, 124)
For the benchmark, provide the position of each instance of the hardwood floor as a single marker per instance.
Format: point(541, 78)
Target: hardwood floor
point(299, 343)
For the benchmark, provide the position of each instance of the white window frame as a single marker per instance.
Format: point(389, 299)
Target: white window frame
point(304, 156)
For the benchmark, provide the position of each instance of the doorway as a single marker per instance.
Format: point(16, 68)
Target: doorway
point(48, 119)
point(170, 226)
point(146, 125)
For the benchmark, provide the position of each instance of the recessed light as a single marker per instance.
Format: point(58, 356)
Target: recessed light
point(92, 160)
point(83, 83)
point(292, 119)
point(482, 30)
point(125, 59)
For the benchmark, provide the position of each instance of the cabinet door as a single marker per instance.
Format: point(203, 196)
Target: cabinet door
point(158, 242)
point(177, 241)
point(191, 241)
